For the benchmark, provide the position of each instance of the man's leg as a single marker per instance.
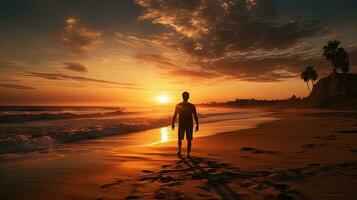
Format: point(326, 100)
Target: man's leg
point(189, 138)
point(180, 138)
point(179, 147)
point(188, 147)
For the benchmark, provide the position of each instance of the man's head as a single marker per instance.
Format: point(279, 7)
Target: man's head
point(185, 96)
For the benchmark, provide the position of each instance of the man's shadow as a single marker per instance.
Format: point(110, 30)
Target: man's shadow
point(217, 184)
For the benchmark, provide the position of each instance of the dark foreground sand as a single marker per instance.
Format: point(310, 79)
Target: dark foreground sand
point(305, 155)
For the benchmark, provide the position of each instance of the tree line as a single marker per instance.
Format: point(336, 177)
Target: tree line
point(337, 57)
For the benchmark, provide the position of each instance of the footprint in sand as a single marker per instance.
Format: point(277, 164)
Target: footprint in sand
point(112, 184)
point(283, 176)
point(349, 131)
point(312, 145)
point(147, 171)
point(166, 193)
point(256, 151)
point(331, 137)
point(314, 165)
point(132, 197)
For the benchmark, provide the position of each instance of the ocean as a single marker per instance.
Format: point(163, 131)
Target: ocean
point(40, 128)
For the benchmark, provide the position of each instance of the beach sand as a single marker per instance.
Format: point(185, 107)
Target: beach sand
point(306, 154)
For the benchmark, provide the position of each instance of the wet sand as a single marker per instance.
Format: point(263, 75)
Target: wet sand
point(303, 155)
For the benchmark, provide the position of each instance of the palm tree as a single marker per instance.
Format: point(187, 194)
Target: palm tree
point(309, 74)
point(330, 53)
point(337, 56)
point(342, 60)
point(306, 77)
point(313, 75)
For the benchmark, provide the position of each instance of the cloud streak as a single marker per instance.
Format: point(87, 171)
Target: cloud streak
point(75, 66)
point(15, 86)
point(60, 76)
point(79, 38)
point(155, 59)
point(173, 68)
point(193, 74)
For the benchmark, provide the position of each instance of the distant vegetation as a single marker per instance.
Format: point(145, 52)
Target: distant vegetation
point(292, 101)
point(338, 89)
point(338, 58)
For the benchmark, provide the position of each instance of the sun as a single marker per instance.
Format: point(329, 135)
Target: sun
point(163, 99)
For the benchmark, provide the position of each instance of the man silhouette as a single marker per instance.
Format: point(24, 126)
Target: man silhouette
point(185, 111)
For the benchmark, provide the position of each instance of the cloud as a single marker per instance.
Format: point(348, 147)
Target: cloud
point(193, 74)
point(14, 86)
point(155, 59)
point(175, 69)
point(244, 39)
point(79, 38)
point(75, 66)
point(135, 41)
point(59, 76)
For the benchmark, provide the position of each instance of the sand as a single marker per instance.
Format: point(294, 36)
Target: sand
point(307, 154)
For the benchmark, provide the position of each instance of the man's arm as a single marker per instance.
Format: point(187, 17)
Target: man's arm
point(196, 117)
point(174, 119)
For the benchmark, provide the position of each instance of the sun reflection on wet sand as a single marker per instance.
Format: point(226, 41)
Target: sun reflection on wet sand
point(164, 134)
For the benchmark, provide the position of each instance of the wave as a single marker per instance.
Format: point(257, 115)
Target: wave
point(54, 108)
point(14, 118)
point(15, 143)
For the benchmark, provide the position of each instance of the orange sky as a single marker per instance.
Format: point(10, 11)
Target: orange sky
point(130, 52)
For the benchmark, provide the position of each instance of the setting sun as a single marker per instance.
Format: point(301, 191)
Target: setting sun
point(163, 99)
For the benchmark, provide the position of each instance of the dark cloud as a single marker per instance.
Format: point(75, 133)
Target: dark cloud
point(75, 66)
point(219, 35)
point(174, 69)
point(156, 59)
point(193, 74)
point(262, 70)
point(59, 76)
point(79, 38)
point(15, 86)
point(211, 28)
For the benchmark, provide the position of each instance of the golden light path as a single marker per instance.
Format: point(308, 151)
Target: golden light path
point(164, 134)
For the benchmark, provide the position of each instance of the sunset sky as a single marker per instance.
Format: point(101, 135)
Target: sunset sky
point(122, 52)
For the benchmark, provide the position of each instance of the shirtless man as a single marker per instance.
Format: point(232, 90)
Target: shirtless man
point(185, 111)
